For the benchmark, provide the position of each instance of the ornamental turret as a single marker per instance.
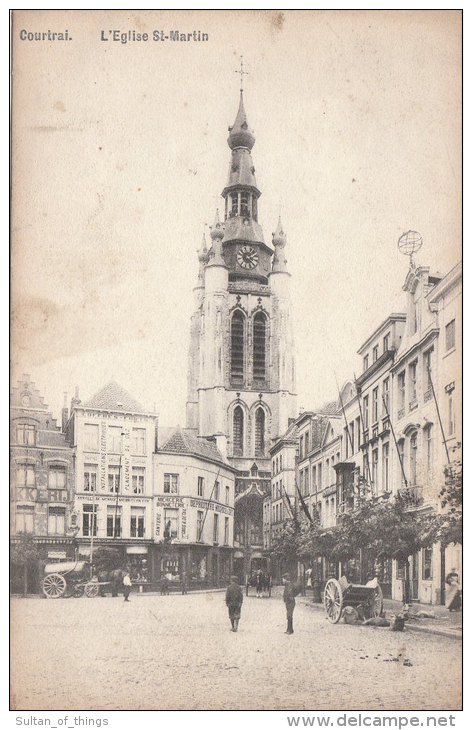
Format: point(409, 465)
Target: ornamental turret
point(279, 241)
point(202, 260)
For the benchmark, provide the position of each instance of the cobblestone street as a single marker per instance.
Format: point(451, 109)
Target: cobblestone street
point(177, 652)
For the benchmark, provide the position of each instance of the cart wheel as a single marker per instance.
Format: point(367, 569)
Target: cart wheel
point(54, 585)
point(91, 590)
point(333, 600)
point(377, 602)
point(78, 591)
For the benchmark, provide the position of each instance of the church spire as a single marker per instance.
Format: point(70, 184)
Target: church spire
point(241, 193)
point(240, 134)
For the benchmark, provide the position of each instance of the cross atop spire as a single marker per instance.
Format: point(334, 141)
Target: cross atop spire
point(241, 73)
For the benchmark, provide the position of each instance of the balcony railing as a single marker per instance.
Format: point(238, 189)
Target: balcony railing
point(401, 412)
point(412, 496)
point(329, 490)
point(413, 404)
point(428, 395)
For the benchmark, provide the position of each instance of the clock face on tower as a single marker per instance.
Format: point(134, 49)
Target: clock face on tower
point(247, 257)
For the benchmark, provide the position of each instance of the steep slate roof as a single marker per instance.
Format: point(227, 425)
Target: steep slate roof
point(114, 398)
point(184, 442)
point(318, 431)
point(330, 409)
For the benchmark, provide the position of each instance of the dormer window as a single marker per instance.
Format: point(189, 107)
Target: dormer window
point(366, 362)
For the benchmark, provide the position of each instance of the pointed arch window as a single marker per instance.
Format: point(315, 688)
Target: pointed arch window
point(260, 432)
point(237, 347)
point(259, 347)
point(238, 431)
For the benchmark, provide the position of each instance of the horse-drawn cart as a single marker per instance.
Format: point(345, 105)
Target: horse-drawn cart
point(339, 594)
point(71, 579)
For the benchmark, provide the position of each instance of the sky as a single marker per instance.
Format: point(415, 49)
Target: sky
point(120, 157)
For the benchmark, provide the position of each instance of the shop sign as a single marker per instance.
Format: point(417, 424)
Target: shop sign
point(170, 501)
point(57, 554)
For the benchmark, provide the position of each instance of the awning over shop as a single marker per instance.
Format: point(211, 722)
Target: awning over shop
point(136, 550)
point(57, 554)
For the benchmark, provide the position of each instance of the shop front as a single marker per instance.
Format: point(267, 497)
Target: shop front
point(203, 566)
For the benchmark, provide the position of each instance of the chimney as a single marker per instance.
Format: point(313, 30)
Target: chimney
point(221, 444)
point(75, 400)
point(65, 414)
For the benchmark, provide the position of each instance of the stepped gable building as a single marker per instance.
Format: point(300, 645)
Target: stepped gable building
point(193, 510)
point(115, 439)
point(41, 482)
point(241, 361)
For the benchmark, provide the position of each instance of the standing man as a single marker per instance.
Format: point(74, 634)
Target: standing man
point(184, 584)
point(290, 591)
point(234, 601)
point(126, 586)
point(259, 583)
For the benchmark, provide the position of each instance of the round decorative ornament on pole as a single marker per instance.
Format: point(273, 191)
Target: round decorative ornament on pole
point(410, 243)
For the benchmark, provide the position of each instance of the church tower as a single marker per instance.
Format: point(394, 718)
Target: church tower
point(241, 382)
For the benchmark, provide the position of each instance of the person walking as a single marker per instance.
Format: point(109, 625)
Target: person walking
point(234, 600)
point(126, 586)
point(184, 584)
point(453, 591)
point(259, 583)
point(290, 591)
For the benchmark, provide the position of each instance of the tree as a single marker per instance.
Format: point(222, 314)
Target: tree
point(314, 541)
point(449, 522)
point(24, 553)
point(390, 528)
point(106, 559)
point(285, 545)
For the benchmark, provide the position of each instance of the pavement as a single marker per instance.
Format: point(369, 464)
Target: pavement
point(445, 622)
point(177, 652)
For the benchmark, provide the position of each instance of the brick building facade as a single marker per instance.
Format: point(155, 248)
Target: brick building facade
point(42, 473)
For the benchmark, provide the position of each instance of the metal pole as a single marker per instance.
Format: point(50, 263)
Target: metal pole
point(93, 525)
point(345, 417)
point(395, 441)
point(439, 415)
point(115, 530)
point(208, 505)
point(363, 431)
